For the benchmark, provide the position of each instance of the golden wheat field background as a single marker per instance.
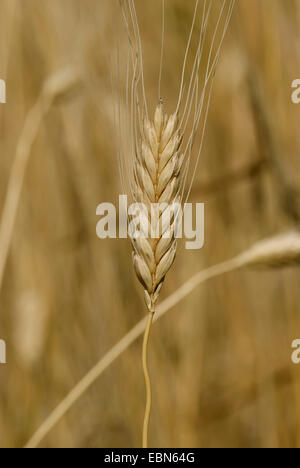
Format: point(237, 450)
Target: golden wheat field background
point(221, 359)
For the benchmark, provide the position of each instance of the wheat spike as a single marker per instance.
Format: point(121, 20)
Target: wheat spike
point(157, 169)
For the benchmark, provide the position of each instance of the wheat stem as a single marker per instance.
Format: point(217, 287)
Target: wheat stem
point(147, 381)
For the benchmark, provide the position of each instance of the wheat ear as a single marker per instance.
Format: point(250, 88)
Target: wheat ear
point(157, 181)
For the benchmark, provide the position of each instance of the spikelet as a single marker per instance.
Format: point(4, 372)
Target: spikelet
point(157, 169)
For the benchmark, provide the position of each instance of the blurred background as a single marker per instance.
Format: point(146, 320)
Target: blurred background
point(220, 360)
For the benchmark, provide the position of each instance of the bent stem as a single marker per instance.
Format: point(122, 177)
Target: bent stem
point(147, 381)
point(136, 332)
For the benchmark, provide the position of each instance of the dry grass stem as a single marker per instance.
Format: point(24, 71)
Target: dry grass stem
point(147, 382)
point(261, 254)
point(56, 86)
